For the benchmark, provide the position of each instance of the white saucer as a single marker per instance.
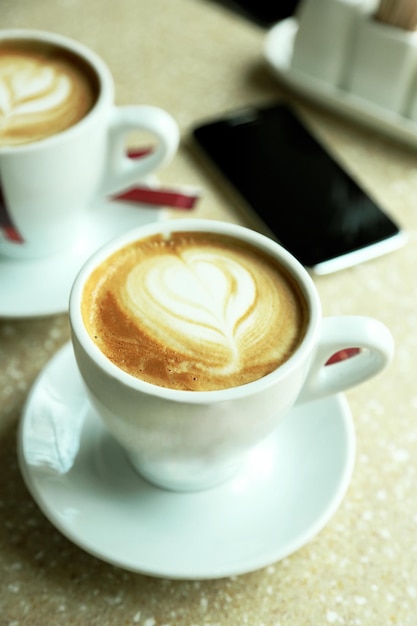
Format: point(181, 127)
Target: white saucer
point(286, 492)
point(41, 287)
point(278, 48)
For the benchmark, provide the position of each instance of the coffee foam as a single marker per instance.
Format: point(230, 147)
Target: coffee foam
point(43, 91)
point(197, 312)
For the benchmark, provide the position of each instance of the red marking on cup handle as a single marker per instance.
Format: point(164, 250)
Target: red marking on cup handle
point(342, 355)
point(174, 197)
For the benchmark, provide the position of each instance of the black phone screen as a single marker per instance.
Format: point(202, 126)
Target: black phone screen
point(310, 204)
point(263, 12)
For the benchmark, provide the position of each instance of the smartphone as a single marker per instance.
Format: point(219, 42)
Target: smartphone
point(294, 190)
point(263, 12)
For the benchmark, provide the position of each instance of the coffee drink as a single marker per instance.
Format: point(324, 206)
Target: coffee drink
point(44, 90)
point(194, 311)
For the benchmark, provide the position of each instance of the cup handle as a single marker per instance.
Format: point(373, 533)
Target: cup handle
point(121, 171)
point(376, 348)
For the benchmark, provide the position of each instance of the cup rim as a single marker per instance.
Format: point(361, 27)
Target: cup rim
point(304, 280)
point(104, 77)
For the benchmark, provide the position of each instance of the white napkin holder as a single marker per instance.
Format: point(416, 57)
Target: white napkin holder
point(339, 42)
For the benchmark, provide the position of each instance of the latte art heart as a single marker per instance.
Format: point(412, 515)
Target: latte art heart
point(194, 312)
point(201, 298)
point(41, 93)
point(33, 92)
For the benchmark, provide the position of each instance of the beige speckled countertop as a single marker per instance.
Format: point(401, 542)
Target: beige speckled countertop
point(196, 59)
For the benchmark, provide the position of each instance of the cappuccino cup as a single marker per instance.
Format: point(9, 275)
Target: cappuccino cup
point(63, 141)
point(195, 338)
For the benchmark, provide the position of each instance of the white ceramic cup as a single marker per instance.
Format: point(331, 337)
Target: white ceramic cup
point(190, 440)
point(47, 186)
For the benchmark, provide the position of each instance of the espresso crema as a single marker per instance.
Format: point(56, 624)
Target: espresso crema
point(43, 90)
point(194, 312)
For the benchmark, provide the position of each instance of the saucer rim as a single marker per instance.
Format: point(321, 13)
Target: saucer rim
point(339, 405)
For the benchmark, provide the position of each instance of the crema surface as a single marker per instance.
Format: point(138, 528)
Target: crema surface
point(43, 91)
point(194, 312)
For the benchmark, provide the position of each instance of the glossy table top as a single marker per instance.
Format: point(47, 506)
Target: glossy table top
point(197, 59)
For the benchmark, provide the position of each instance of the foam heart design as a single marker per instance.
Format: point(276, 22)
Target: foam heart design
point(32, 88)
point(192, 311)
point(40, 95)
point(200, 296)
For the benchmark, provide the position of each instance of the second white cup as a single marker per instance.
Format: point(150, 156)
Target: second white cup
point(63, 140)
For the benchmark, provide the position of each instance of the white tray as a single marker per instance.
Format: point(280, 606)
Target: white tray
point(278, 48)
